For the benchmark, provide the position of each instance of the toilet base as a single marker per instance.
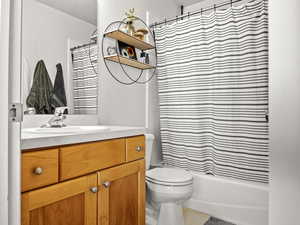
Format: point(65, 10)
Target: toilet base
point(170, 214)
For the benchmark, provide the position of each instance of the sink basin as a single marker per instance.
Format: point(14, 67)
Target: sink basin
point(66, 130)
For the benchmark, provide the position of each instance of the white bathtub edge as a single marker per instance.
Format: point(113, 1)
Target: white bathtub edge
point(217, 210)
point(239, 202)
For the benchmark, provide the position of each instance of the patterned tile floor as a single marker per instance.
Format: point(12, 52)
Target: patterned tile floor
point(191, 217)
point(215, 221)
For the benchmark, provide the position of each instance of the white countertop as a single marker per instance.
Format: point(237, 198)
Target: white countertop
point(42, 140)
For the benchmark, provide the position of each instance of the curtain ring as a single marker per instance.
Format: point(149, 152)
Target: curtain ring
point(165, 21)
point(201, 11)
point(188, 15)
point(231, 3)
point(215, 8)
point(176, 19)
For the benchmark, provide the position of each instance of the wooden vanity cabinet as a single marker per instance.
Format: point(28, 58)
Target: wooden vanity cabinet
point(121, 198)
point(77, 160)
point(39, 169)
point(110, 192)
point(135, 148)
point(67, 203)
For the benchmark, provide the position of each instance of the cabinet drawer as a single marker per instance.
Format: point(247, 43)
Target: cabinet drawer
point(82, 159)
point(39, 169)
point(135, 148)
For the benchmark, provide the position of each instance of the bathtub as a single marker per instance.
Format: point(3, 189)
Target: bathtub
point(242, 203)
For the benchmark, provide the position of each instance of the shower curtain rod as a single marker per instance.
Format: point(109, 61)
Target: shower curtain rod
point(84, 45)
point(202, 10)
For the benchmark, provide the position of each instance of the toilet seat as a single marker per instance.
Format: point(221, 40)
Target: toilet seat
point(169, 176)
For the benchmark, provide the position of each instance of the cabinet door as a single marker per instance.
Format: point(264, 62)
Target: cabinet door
point(69, 203)
point(121, 199)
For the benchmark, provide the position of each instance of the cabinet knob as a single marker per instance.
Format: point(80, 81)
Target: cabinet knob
point(139, 148)
point(106, 184)
point(38, 171)
point(94, 189)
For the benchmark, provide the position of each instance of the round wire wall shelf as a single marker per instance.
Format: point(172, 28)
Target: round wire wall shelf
point(122, 46)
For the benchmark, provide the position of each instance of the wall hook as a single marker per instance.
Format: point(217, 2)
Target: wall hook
point(267, 116)
point(181, 10)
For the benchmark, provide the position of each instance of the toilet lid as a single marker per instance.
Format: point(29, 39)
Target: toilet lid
point(169, 176)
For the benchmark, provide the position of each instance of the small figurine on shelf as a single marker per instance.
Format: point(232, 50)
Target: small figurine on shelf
point(130, 29)
point(144, 57)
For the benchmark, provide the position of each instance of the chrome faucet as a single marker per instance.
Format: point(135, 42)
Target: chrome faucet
point(58, 119)
point(30, 111)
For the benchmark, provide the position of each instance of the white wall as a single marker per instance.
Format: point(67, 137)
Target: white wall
point(14, 128)
point(284, 112)
point(126, 105)
point(4, 46)
point(45, 36)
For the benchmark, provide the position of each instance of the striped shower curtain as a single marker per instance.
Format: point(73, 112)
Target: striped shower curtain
point(213, 91)
point(85, 79)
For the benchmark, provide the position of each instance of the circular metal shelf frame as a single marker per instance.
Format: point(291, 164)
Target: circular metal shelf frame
point(132, 80)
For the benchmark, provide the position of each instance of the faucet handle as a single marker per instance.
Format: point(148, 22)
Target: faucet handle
point(60, 110)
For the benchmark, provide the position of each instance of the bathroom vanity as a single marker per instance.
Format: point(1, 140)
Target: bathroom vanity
point(97, 180)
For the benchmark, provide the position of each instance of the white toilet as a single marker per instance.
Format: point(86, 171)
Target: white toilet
point(167, 189)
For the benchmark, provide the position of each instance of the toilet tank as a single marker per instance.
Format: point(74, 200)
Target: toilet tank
point(149, 138)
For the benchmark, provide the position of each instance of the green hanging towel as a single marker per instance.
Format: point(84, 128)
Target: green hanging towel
point(59, 94)
point(41, 91)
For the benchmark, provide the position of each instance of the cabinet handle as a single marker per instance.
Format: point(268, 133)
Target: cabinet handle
point(38, 171)
point(107, 184)
point(94, 189)
point(139, 148)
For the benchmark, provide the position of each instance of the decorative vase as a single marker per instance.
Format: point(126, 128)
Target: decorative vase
point(130, 28)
